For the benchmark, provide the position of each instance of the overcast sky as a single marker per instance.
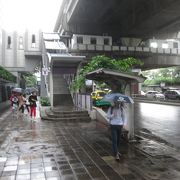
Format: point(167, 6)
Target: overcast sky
point(31, 14)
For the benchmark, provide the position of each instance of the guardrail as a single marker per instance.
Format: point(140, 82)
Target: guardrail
point(157, 101)
point(93, 47)
point(83, 101)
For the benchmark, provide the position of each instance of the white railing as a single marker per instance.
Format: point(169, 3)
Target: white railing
point(83, 101)
point(92, 47)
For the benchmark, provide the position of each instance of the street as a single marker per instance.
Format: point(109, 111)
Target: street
point(161, 120)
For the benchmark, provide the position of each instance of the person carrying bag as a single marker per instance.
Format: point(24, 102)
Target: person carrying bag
point(116, 116)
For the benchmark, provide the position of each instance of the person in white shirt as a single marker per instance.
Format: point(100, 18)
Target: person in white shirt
point(116, 116)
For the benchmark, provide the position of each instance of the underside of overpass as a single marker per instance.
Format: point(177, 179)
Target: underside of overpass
point(121, 18)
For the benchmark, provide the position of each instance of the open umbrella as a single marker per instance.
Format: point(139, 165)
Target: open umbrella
point(30, 90)
point(117, 97)
point(18, 90)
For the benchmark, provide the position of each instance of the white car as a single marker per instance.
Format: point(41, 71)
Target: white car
point(155, 95)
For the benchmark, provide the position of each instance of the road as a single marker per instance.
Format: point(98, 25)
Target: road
point(161, 120)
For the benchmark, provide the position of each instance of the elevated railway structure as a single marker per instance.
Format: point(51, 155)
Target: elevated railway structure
point(28, 52)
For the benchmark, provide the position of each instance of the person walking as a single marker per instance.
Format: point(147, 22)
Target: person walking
point(33, 105)
point(116, 116)
point(26, 105)
point(21, 101)
point(14, 101)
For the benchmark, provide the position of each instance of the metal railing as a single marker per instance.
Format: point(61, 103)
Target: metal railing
point(83, 101)
point(93, 47)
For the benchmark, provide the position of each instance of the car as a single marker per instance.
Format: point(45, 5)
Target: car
point(98, 94)
point(97, 98)
point(172, 94)
point(142, 93)
point(154, 95)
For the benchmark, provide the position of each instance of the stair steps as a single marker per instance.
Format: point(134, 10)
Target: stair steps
point(63, 115)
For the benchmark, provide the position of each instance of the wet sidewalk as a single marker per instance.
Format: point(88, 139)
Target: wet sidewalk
point(45, 150)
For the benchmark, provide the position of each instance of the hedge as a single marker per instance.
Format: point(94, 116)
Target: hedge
point(6, 75)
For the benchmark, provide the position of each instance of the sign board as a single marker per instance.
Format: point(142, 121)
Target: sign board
point(45, 71)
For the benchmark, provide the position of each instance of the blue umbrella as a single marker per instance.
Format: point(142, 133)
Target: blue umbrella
point(117, 97)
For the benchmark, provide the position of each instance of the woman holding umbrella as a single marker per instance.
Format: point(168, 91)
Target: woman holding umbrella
point(116, 115)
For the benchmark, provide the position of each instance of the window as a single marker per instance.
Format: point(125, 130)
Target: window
point(79, 40)
point(93, 40)
point(33, 42)
point(165, 45)
point(175, 45)
point(20, 42)
point(106, 41)
point(9, 42)
point(153, 44)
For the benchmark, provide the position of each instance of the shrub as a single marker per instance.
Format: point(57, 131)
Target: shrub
point(45, 101)
point(4, 74)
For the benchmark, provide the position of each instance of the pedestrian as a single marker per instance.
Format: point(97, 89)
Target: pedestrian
point(116, 116)
point(33, 105)
point(21, 101)
point(26, 105)
point(14, 101)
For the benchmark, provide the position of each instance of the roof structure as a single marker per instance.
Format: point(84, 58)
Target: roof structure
point(113, 75)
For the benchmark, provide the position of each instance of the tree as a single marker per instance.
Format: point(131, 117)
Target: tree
point(4, 74)
point(102, 61)
point(30, 80)
point(169, 76)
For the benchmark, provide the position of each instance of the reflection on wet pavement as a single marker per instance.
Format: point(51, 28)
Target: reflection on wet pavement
point(44, 150)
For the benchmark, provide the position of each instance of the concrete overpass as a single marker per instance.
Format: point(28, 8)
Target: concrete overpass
point(26, 58)
point(153, 58)
point(120, 18)
point(137, 19)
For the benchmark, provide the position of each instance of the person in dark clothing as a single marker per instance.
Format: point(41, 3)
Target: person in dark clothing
point(33, 105)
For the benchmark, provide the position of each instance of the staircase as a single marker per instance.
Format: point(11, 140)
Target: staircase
point(61, 94)
point(66, 114)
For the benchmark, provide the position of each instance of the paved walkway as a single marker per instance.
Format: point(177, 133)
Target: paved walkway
point(44, 150)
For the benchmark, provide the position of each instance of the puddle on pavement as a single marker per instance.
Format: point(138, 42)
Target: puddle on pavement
point(155, 149)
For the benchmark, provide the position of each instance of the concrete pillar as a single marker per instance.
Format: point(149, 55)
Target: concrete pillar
point(51, 87)
point(43, 86)
point(129, 123)
point(129, 108)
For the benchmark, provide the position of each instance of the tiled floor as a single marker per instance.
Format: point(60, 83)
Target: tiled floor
point(43, 150)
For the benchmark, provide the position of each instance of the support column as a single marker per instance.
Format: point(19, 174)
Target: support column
point(51, 86)
point(43, 86)
point(129, 108)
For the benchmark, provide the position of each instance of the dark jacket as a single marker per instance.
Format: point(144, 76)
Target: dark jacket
point(32, 100)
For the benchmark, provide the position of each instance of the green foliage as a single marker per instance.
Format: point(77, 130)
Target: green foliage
point(169, 76)
point(166, 80)
point(44, 101)
point(103, 61)
point(4, 74)
point(30, 80)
